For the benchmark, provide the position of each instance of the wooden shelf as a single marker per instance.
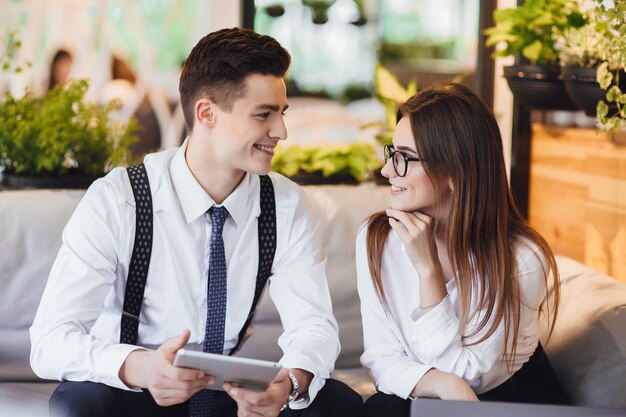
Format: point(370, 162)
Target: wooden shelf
point(578, 195)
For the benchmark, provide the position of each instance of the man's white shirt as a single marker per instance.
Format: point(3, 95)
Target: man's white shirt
point(75, 334)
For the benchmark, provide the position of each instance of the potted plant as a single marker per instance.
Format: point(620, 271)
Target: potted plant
point(611, 73)
point(529, 33)
point(326, 164)
point(59, 140)
point(583, 51)
point(391, 94)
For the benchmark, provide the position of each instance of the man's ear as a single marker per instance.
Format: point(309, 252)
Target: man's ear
point(204, 112)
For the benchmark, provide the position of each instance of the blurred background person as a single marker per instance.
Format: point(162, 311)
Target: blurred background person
point(60, 68)
point(124, 87)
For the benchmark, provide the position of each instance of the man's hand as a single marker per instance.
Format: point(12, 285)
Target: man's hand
point(167, 383)
point(267, 403)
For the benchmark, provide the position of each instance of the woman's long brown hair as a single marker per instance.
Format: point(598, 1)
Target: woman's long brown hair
point(457, 137)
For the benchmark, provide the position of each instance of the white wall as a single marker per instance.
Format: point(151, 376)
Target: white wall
point(503, 99)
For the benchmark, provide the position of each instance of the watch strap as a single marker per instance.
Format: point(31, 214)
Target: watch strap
point(295, 387)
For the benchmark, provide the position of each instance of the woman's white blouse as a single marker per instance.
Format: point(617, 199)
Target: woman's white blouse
point(402, 346)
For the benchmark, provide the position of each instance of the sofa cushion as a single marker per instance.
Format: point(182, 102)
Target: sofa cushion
point(588, 346)
point(31, 225)
point(25, 399)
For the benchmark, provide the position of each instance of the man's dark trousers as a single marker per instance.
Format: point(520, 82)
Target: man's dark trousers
point(90, 399)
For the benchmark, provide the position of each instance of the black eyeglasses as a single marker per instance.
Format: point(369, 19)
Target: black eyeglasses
point(399, 159)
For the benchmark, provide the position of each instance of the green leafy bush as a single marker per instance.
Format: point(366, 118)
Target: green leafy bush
point(51, 134)
point(612, 24)
point(391, 95)
point(357, 159)
point(533, 28)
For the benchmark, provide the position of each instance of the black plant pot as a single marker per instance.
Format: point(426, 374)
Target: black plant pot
point(72, 179)
point(538, 87)
point(316, 178)
point(583, 88)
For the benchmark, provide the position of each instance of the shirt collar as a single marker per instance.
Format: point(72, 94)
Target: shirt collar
point(195, 201)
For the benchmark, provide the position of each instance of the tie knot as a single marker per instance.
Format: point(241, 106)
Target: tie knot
point(218, 216)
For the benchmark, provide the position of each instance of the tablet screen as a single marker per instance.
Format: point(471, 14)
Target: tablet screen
point(250, 374)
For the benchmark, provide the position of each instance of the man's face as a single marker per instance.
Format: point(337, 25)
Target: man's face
point(248, 134)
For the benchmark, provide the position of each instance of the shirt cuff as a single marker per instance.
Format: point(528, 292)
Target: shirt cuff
point(434, 331)
point(403, 383)
point(109, 363)
point(298, 361)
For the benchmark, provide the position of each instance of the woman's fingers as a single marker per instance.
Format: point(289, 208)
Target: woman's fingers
point(415, 223)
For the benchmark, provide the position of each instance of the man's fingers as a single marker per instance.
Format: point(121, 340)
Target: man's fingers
point(251, 397)
point(280, 376)
point(164, 384)
point(183, 374)
point(175, 394)
point(173, 344)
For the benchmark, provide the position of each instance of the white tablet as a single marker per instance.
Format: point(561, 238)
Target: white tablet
point(250, 374)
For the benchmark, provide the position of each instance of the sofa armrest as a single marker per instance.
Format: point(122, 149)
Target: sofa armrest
point(588, 346)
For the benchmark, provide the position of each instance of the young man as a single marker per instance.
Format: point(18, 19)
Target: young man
point(204, 265)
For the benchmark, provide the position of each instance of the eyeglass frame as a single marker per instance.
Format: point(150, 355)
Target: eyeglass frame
point(388, 153)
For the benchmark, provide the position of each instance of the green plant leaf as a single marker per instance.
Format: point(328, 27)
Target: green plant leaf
point(602, 109)
point(613, 94)
point(533, 50)
point(388, 86)
point(604, 76)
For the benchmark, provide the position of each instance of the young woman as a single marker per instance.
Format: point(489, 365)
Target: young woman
point(451, 279)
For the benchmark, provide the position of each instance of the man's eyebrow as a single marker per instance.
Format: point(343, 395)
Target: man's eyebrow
point(272, 107)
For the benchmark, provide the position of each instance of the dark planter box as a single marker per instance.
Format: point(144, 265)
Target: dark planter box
point(583, 88)
point(71, 180)
point(538, 87)
point(316, 178)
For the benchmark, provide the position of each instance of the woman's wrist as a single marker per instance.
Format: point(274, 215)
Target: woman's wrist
point(434, 304)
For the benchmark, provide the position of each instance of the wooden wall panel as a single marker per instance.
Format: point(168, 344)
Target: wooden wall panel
point(578, 195)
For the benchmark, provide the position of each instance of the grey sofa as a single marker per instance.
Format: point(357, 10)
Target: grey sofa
point(588, 347)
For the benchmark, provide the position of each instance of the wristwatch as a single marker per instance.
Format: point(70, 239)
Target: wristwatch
point(294, 390)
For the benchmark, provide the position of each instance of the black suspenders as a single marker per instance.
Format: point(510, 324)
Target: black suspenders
point(142, 249)
point(267, 249)
point(140, 259)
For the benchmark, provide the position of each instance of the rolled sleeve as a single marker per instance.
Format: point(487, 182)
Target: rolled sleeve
point(434, 331)
point(298, 361)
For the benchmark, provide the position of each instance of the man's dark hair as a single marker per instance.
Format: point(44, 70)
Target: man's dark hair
point(217, 67)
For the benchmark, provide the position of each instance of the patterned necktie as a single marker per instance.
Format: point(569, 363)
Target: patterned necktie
point(201, 404)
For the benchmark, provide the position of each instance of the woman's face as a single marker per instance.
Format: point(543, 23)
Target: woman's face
point(414, 191)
